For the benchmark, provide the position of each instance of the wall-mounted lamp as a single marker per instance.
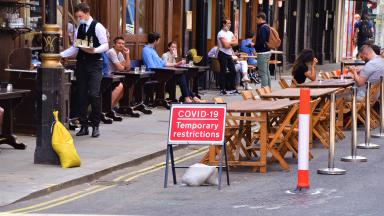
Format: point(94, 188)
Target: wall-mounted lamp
point(280, 4)
point(246, 1)
point(260, 1)
point(270, 2)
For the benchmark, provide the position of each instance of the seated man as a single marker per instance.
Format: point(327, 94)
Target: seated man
point(372, 70)
point(247, 46)
point(152, 60)
point(119, 60)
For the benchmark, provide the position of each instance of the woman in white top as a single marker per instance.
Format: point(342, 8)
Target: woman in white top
point(170, 57)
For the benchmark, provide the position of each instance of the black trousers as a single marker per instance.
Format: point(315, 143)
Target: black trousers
point(88, 80)
point(227, 81)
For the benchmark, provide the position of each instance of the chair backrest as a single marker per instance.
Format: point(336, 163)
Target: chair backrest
point(327, 75)
point(260, 91)
point(20, 58)
point(218, 100)
point(135, 63)
point(294, 83)
point(283, 83)
point(215, 65)
point(248, 95)
point(374, 92)
point(267, 89)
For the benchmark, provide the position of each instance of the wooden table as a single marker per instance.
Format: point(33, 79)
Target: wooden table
point(294, 93)
point(25, 122)
point(333, 83)
point(166, 75)
point(255, 57)
point(8, 100)
point(348, 77)
point(133, 82)
point(350, 62)
point(247, 109)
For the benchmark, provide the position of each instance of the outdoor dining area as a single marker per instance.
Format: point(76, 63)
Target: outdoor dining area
point(263, 127)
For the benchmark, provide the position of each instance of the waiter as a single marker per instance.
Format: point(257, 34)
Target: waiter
point(88, 67)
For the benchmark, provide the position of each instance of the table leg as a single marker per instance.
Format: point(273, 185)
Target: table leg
point(140, 106)
point(7, 136)
point(263, 142)
point(162, 78)
point(126, 102)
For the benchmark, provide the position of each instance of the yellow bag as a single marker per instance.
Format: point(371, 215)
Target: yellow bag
point(62, 143)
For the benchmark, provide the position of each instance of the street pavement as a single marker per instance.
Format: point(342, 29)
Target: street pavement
point(138, 190)
point(121, 144)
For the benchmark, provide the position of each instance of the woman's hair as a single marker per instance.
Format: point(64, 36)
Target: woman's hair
point(305, 56)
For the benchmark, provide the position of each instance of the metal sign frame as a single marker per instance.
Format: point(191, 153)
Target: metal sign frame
point(170, 143)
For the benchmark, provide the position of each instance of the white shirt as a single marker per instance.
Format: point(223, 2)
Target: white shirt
point(101, 34)
point(213, 52)
point(113, 58)
point(227, 35)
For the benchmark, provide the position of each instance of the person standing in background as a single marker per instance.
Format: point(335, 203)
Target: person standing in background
point(263, 52)
point(225, 41)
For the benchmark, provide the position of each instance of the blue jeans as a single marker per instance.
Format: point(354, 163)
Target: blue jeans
point(184, 88)
point(263, 67)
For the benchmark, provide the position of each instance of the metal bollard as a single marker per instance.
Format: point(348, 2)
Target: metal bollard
point(354, 157)
point(381, 131)
point(368, 144)
point(331, 170)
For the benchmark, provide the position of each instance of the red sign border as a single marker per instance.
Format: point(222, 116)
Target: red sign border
point(192, 142)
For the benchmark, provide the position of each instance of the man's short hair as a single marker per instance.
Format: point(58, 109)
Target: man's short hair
point(262, 16)
point(365, 48)
point(83, 7)
point(249, 35)
point(170, 43)
point(153, 36)
point(117, 38)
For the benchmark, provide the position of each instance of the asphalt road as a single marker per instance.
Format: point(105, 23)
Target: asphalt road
point(138, 190)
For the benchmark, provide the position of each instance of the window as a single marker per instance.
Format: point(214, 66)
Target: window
point(136, 16)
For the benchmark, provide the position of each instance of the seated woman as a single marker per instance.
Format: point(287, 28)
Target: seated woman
point(170, 58)
point(304, 66)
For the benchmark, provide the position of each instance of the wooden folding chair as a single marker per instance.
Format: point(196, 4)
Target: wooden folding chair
point(248, 95)
point(278, 139)
point(325, 75)
point(283, 83)
point(234, 134)
point(360, 108)
point(294, 83)
point(291, 132)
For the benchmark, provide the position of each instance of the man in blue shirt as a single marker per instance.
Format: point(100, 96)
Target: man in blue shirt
point(247, 47)
point(152, 60)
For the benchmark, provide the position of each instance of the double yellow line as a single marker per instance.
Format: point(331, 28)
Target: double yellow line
point(98, 188)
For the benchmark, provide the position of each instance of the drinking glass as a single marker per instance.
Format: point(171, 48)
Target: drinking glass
point(183, 61)
point(137, 70)
point(143, 68)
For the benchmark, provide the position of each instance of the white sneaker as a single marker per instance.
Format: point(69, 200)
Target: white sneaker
point(245, 78)
point(247, 86)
